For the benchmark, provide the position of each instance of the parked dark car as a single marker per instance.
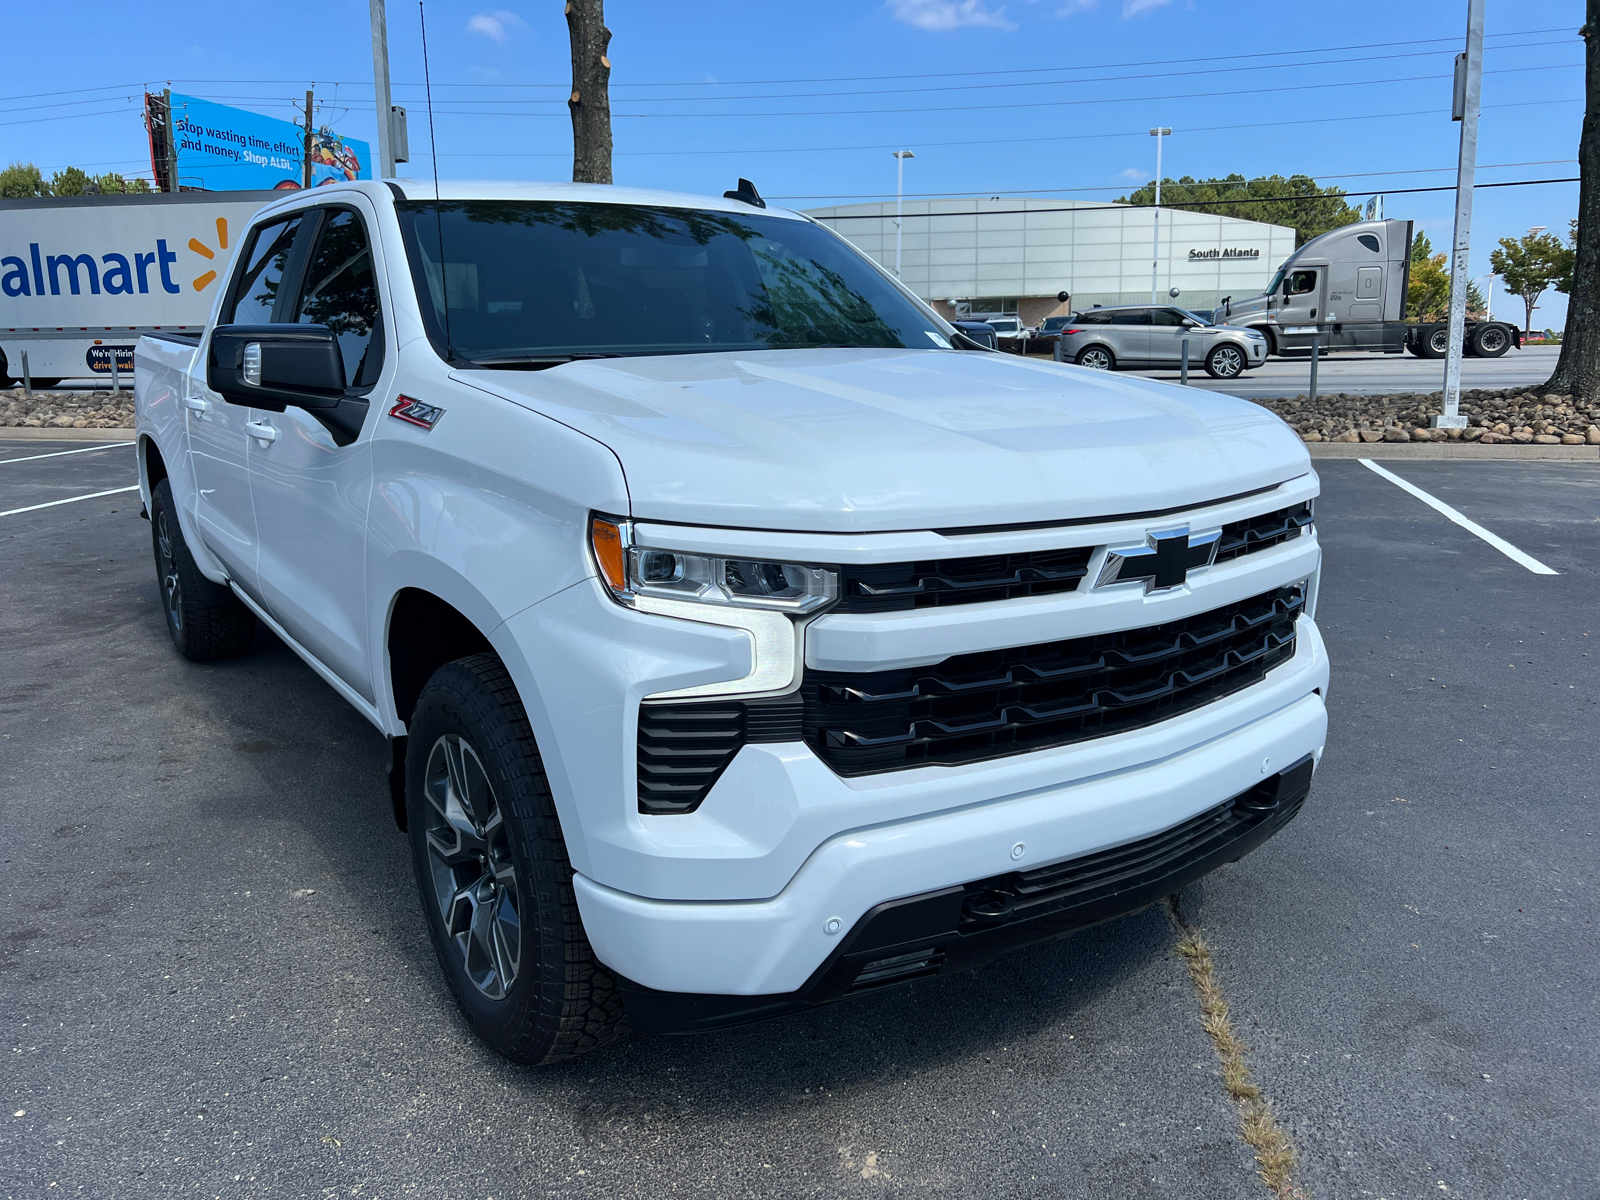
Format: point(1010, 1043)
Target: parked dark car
point(979, 331)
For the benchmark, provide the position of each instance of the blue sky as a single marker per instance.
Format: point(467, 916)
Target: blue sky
point(995, 97)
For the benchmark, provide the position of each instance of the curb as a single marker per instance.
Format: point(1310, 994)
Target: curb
point(33, 433)
point(1453, 451)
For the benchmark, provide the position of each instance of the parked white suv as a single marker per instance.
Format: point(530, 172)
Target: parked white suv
point(742, 646)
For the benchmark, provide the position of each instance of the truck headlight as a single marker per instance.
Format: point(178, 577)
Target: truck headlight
point(762, 598)
point(631, 572)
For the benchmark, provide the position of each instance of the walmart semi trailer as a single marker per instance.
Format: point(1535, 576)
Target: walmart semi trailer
point(82, 277)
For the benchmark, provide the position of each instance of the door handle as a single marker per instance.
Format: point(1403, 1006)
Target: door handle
point(262, 431)
point(197, 403)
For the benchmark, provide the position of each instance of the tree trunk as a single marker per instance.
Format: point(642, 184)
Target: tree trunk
point(590, 102)
point(1578, 368)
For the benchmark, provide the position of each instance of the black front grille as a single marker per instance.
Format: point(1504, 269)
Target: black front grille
point(898, 587)
point(978, 706)
point(1258, 533)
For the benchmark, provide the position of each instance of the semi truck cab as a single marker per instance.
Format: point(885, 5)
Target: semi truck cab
point(1346, 290)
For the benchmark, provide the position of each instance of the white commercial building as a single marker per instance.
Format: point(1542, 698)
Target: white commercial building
point(1018, 256)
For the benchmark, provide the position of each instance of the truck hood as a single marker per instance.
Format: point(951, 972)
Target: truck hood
point(858, 441)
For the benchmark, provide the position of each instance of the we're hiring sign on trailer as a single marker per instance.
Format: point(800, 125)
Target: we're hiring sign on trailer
point(224, 149)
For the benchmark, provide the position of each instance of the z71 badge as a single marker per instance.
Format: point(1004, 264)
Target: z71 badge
point(415, 412)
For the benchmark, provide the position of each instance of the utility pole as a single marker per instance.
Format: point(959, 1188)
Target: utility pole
point(306, 181)
point(1464, 108)
point(899, 201)
point(1155, 249)
point(380, 84)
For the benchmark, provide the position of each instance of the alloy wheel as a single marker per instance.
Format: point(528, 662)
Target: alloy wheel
point(1095, 359)
point(1227, 361)
point(469, 856)
point(171, 581)
point(1439, 341)
point(1492, 340)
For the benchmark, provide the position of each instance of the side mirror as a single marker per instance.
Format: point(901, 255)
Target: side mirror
point(275, 366)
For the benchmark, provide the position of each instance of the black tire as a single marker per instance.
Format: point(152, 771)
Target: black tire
point(1434, 342)
point(505, 878)
point(1096, 358)
point(1490, 341)
point(207, 622)
point(45, 383)
point(1226, 361)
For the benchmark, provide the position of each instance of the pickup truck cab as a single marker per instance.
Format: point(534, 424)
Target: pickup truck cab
point(741, 643)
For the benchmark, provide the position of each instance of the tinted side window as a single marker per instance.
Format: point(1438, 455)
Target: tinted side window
point(1132, 316)
point(1092, 318)
point(1166, 316)
point(1370, 242)
point(1301, 282)
point(341, 293)
point(257, 289)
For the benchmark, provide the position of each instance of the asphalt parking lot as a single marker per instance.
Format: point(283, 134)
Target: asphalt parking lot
point(214, 978)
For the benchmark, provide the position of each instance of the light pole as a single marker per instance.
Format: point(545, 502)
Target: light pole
point(1155, 247)
point(1463, 108)
point(1488, 299)
point(380, 85)
point(899, 200)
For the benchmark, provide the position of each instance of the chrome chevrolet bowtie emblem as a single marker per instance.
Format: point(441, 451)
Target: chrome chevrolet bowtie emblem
point(1164, 561)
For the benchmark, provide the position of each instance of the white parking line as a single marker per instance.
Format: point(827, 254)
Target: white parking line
point(11, 512)
point(1472, 527)
point(59, 453)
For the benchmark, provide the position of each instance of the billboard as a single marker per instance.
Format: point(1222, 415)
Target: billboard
point(223, 149)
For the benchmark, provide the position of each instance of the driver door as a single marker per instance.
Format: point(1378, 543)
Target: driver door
point(1302, 297)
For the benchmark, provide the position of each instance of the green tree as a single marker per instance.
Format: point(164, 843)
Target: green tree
point(1567, 262)
point(1298, 201)
point(1528, 265)
point(1428, 292)
point(20, 181)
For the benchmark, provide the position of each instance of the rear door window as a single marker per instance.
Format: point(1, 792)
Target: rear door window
point(1132, 316)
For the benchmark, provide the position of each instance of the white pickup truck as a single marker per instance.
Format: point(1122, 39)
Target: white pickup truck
point(745, 639)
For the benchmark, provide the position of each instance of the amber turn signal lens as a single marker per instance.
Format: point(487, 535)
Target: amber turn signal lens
point(606, 539)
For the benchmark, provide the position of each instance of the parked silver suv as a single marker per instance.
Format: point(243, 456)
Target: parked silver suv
point(1146, 336)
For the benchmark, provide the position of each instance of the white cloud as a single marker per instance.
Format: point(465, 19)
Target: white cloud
point(1132, 8)
point(1073, 7)
point(496, 24)
point(940, 15)
point(1134, 173)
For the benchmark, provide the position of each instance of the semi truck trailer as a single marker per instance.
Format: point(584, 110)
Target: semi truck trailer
point(1346, 290)
point(83, 277)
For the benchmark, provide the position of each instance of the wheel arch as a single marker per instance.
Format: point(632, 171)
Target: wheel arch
point(1110, 353)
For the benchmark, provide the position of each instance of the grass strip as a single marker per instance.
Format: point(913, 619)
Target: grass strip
point(1258, 1125)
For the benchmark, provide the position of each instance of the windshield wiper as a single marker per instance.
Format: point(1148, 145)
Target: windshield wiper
point(534, 362)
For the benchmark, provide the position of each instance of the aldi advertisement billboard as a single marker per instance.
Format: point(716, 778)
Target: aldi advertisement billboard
point(223, 149)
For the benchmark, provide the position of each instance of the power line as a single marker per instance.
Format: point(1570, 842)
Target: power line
point(144, 85)
point(1182, 206)
point(1169, 182)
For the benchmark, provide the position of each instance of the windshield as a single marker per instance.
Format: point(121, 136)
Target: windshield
point(1277, 280)
point(530, 282)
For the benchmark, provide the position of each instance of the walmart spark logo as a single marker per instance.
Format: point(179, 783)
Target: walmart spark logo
point(114, 274)
point(204, 251)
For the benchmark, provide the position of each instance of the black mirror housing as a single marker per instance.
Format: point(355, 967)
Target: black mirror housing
point(297, 365)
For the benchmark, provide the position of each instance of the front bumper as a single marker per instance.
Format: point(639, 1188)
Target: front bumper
point(957, 928)
point(774, 946)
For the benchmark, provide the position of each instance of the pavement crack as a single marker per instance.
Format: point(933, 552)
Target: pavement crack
point(1258, 1123)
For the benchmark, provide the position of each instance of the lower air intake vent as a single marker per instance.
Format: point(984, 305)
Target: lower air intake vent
point(684, 748)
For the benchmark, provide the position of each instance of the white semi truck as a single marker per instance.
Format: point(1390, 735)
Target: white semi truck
point(83, 277)
point(1346, 290)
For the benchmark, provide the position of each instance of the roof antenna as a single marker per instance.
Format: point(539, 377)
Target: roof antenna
point(438, 221)
point(746, 193)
